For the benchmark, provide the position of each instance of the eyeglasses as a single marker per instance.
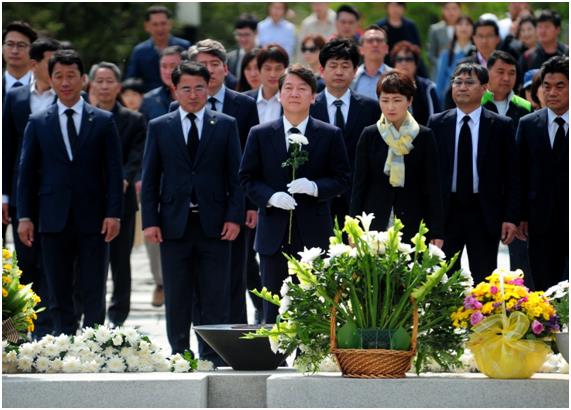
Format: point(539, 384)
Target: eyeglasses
point(309, 49)
point(405, 59)
point(467, 83)
point(20, 45)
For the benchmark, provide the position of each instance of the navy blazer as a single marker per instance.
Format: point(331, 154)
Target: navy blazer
point(169, 176)
point(497, 165)
point(156, 103)
point(262, 175)
point(90, 185)
point(544, 176)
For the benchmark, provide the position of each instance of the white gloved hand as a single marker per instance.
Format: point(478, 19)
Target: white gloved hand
point(283, 201)
point(302, 186)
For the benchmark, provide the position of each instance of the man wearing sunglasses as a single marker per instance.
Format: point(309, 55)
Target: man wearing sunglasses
point(373, 48)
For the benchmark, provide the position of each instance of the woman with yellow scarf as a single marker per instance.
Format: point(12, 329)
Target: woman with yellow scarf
point(396, 165)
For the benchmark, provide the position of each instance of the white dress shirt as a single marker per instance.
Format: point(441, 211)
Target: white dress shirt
point(11, 80)
point(332, 108)
point(552, 126)
point(474, 125)
point(39, 102)
point(268, 110)
point(219, 96)
point(186, 124)
point(78, 113)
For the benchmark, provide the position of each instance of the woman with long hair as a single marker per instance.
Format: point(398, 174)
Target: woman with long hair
point(249, 72)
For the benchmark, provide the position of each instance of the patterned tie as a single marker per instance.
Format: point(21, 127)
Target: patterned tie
point(71, 132)
point(559, 141)
point(212, 102)
point(464, 180)
point(339, 120)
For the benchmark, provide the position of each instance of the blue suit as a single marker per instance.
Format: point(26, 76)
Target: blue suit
point(74, 198)
point(262, 175)
point(156, 102)
point(194, 259)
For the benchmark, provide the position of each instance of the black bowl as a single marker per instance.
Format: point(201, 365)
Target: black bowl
point(241, 354)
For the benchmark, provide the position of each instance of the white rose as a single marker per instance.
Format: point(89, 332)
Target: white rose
point(42, 364)
point(309, 255)
point(71, 364)
point(116, 365)
point(298, 139)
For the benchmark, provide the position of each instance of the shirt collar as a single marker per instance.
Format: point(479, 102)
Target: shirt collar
point(301, 126)
point(474, 115)
point(381, 70)
point(77, 107)
point(199, 114)
point(34, 89)
point(10, 79)
point(551, 116)
point(346, 98)
point(220, 94)
point(276, 96)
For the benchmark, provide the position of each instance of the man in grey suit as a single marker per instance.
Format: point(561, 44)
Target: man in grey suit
point(440, 34)
point(245, 31)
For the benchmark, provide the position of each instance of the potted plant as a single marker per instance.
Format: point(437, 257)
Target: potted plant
point(369, 294)
point(510, 327)
point(558, 295)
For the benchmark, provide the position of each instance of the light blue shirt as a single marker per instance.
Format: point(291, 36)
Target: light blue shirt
point(78, 113)
point(219, 96)
point(282, 33)
point(364, 84)
point(26, 79)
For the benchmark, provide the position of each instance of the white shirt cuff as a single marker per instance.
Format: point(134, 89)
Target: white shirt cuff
point(5, 199)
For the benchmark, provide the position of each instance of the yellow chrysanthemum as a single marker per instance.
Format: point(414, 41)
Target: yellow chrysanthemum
point(4, 293)
point(6, 280)
point(6, 254)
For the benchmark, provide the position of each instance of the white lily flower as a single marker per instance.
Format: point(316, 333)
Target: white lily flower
point(366, 220)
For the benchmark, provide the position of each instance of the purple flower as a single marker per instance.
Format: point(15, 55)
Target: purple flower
point(537, 327)
point(476, 318)
point(516, 281)
point(493, 290)
point(472, 303)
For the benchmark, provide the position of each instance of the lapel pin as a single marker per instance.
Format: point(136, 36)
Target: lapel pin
point(211, 122)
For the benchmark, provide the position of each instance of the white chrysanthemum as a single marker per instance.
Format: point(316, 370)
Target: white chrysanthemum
point(71, 364)
point(160, 364)
point(102, 334)
point(108, 352)
point(127, 351)
point(117, 340)
point(133, 363)
point(116, 365)
point(338, 249)
point(366, 220)
point(298, 139)
point(10, 357)
point(42, 364)
point(55, 366)
point(91, 366)
point(467, 281)
point(285, 286)
point(284, 305)
point(62, 343)
point(88, 332)
point(93, 346)
point(181, 366)
point(205, 366)
point(144, 346)
point(24, 363)
point(29, 349)
point(435, 250)
point(131, 335)
point(309, 255)
point(405, 248)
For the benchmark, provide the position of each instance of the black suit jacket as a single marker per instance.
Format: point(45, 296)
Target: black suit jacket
point(233, 57)
point(544, 176)
point(497, 165)
point(419, 199)
point(262, 175)
point(170, 177)
point(132, 128)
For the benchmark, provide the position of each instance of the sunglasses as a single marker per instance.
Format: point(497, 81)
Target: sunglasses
point(309, 49)
point(404, 60)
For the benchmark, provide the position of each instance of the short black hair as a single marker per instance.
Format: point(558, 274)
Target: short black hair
point(133, 84)
point(189, 68)
point(487, 23)
point(396, 82)
point(247, 20)
point(157, 10)
point(304, 73)
point(340, 50)
point(171, 51)
point(273, 52)
point(530, 18)
point(65, 57)
point(556, 64)
point(549, 15)
point(469, 68)
point(21, 27)
point(347, 9)
point(41, 45)
point(501, 55)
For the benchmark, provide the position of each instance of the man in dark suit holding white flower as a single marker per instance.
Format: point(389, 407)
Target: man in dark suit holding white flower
point(269, 185)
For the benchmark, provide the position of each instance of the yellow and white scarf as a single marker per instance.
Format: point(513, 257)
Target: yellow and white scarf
point(400, 144)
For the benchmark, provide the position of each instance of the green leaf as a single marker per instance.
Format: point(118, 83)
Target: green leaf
point(347, 336)
point(400, 339)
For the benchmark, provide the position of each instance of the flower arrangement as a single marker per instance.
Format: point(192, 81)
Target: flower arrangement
point(558, 295)
point(297, 157)
point(99, 350)
point(488, 298)
point(18, 300)
point(374, 277)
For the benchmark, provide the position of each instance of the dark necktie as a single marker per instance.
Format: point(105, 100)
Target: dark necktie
point(464, 175)
point(192, 140)
point(339, 120)
point(559, 141)
point(212, 102)
point(17, 84)
point(71, 132)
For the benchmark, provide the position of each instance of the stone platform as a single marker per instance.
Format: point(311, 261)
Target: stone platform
point(281, 388)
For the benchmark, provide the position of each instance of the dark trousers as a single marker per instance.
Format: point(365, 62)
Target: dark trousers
point(195, 266)
point(274, 270)
point(519, 259)
point(253, 279)
point(549, 256)
point(120, 261)
point(30, 263)
point(465, 226)
point(61, 253)
point(339, 209)
point(238, 260)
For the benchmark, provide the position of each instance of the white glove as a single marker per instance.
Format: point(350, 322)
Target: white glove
point(302, 186)
point(283, 201)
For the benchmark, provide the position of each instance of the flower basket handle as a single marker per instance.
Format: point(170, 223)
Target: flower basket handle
point(333, 324)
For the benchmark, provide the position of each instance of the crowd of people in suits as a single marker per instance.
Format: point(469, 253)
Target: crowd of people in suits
point(197, 136)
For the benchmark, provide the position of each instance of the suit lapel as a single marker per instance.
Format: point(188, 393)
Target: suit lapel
point(52, 119)
point(209, 123)
point(485, 129)
point(229, 104)
point(320, 108)
point(86, 125)
point(23, 103)
point(311, 132)
point(354, 106)
point(450, 136)
point(543, 124)
point(176, 134)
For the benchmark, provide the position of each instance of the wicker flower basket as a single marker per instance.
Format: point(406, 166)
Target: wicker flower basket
point(9, 332)
point(374, 363)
